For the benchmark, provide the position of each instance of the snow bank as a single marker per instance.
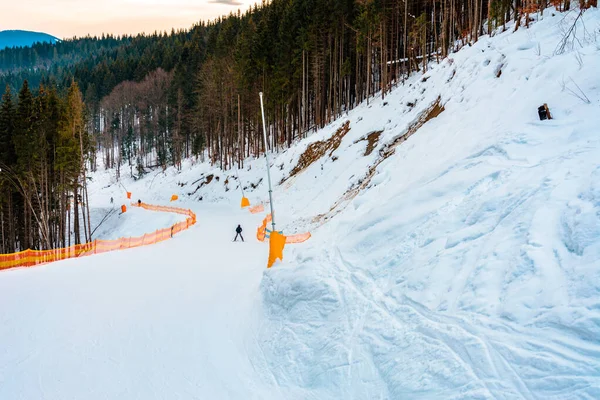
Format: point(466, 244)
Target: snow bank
point(470, 267)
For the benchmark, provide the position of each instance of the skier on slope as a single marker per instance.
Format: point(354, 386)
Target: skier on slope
point(238, 231)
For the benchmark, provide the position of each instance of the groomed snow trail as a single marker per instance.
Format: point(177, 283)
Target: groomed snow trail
point(163, 321)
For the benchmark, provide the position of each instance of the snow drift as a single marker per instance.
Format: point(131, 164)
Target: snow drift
point(470, 266)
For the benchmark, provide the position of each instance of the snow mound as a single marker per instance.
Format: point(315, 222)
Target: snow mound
point(470, 266)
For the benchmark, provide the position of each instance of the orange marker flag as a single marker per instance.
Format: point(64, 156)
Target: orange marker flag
point(276, 245)
point(174, 197)
point(123, 208)
point(128, 195)
point(245, 202)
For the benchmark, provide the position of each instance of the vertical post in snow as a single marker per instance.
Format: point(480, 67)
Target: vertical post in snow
point(240, 150)
point(262, 109)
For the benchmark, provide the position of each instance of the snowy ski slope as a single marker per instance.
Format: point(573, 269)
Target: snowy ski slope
point(467, 266)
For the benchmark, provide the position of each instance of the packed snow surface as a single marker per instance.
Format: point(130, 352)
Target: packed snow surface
point(464, 266)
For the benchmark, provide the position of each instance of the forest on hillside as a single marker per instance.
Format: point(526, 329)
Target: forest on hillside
point(43, 149)
point(147, 101)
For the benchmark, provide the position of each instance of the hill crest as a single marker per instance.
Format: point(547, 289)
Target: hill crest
point(21, 38)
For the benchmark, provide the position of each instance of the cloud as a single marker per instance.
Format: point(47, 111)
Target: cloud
point(65, 18)
point(227, 2)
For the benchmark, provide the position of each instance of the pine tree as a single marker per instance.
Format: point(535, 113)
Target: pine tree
point(7, 126)
point(7, 160)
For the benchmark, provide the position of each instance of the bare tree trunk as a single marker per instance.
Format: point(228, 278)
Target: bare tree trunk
point(69, 224)
point(85, 194)
point(404, 56)
point(76, 230)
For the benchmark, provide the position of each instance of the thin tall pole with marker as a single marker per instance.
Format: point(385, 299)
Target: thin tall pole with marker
point(262, 108)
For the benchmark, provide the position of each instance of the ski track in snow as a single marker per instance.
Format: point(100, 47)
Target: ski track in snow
point(468, 269)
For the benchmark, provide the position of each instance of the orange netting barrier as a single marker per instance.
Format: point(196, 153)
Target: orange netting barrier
point(263, 233)
point(298, 238)
point(257, 209)
point(29, 258)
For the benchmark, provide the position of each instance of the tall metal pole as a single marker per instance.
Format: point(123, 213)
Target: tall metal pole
point(262, 108)
point(240, 151)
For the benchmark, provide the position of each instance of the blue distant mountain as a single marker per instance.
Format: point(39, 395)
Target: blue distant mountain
point(23, 38)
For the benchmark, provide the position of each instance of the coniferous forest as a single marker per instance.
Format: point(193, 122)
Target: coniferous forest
point(134, 103)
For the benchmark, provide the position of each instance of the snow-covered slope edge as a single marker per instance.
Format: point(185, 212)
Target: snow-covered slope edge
point(470, 268)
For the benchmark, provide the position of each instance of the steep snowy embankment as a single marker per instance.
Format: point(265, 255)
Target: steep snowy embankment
point(470, 268)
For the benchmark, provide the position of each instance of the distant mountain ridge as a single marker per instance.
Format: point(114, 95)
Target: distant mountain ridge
point(17, 38)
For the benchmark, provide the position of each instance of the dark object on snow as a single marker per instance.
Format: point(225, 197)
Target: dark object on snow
point(139, 202)
point(238, 232)
point(544, 112)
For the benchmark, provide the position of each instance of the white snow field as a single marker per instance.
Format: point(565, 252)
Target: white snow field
point(466, 265)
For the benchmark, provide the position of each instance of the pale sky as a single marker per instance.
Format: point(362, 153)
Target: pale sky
point(66, 18)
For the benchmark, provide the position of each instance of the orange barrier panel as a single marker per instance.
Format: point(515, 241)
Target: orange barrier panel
point(29, 258)
point(261, 233)
point(129, 195)
point(299, 238)
point(257, 209)
point(262, 230)
point(123, 209)
point(245, 202)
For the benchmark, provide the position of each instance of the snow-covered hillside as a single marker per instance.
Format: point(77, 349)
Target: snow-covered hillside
point(460, 263)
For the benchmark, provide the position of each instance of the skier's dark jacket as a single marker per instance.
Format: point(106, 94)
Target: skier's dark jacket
point(238, 229)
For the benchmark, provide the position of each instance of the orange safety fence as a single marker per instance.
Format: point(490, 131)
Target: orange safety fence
point(261, 233)
point(298, 238)
point(29, 258)
point(257, 209)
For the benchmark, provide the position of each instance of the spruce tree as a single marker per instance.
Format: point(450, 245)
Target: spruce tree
point(7, 127)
